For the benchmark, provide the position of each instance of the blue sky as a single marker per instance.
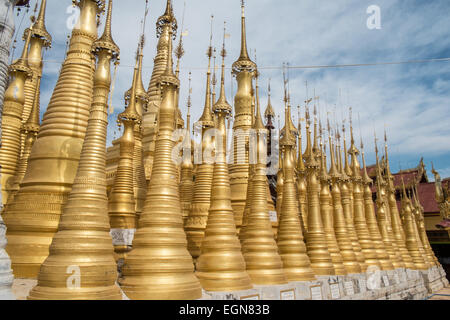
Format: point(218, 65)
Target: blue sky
point(412, 99)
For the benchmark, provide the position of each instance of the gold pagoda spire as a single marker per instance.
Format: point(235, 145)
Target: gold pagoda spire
point(244, 71)
point(263, 262)
point(141, 101)
point(13, 103)
point(53, 161)
point(420, 220)
point(383, 217)
point(412, 240)
point(291, 243)
point(301, 180)
point(187, 179)
point(196, 222)
point(359, 216)
point(347, 206)
point(269, 113)
point(372, 225)
point(160, 238)
point(316, 242)
point(164, 24)
point(82, 243)
point(221, 265)
point(340, 228)
point(30, 129)
point(40, 39)
point(395, 220)
point(122, 202)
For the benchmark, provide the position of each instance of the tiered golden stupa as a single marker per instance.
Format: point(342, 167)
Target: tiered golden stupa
point(160, 266)
point(340, 226)
point(290, 240)
point(244, 70)
point(372, 225)
point(196, 221)
point(82, 246)
point(396, 223)
point(326, 210)
point(264, 264)
point(122, 201)
point(221, 265)
point(316, 242)
point(187, 177)
point(33, 216)
point(40, 38)
point(359, 217)
point(13, 104)
point(347, 203)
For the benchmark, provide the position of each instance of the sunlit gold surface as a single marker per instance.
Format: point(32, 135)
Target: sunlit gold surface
point(350, 262)
point(160, 266)
point(346, 199)
point(13, 104)
point(33, 217)
point(239, 171)
point(372, 225)
point(196, 221)
point(83, 244)
point(326, 210)
point(165, 23)
point(291, 243)
point(221, 265)
point(412, 239)
point(359, 216)
point(316, 242)
point(264, 264)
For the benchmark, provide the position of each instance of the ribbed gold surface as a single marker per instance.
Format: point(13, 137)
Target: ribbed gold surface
point(160, 266)
point(374, 231)
point(221, 265)
point(412, 240)
point(121, 204)
point(33, 217)
point(398, 231)
point(291, 243)
point(11, 127)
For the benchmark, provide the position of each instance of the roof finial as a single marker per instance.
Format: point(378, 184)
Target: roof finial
point(269, 113)
point(39, 28)
point(222, 103)
point(243, 63)
point(189, 104)
point(179, 51)
point(168, 18)
point(258, 120)
point(106, 40)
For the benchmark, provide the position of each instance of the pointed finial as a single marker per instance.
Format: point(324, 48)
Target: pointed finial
point(106, 41)
point(179, 51)
point(222, 104)
point(243, 63)
point(207, 119)
point(269, 113)
point(258, 119)
point(168, 77)
point(21, 64)
point(39, 28)
point(167, 19)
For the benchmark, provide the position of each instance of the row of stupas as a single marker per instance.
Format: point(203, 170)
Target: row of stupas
point(74, 209)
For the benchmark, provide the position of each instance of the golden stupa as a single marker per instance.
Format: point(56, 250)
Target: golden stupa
point(160, 266)
point(221, 265)
point(33, 216)
point(81, 263)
